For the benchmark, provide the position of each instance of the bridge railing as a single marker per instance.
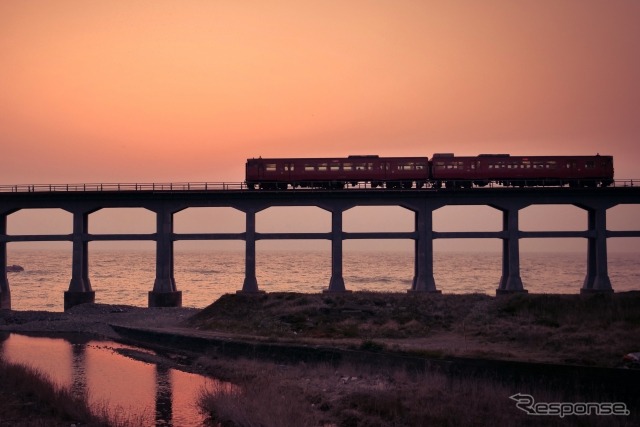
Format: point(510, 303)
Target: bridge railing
point(168, 186)
point(199, 186)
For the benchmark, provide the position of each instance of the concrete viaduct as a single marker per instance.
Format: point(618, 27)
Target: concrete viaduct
point(167, 199)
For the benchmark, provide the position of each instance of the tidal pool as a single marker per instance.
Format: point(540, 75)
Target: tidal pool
point(154, 393)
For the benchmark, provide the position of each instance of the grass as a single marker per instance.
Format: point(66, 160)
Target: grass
point(351, 396)
point(29, 398)
point(588, 330)
point(594, 330)
point(575, 329)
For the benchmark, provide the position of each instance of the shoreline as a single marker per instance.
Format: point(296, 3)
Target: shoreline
point(436, 327)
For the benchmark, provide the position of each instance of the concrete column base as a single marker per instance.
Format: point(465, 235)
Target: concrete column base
point(165, 299)
point(73, 298)
point(250, 285)
point(425, 283)
point(336, 284)
point(511, 291)
point(5, 301)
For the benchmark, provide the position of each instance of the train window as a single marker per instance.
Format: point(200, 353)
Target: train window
point(288, 167)
point(347, 166)
point(334, 166)
point(322, 167)
point(360, 166)
point(406, 167)
point(270, 167)
point(552, 164)
point(420, 166)
point(309, 168)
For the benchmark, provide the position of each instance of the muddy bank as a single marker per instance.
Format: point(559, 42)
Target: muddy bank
point(92, 319)
point(618, 383)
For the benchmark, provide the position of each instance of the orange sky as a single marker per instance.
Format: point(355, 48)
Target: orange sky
point(153, 90)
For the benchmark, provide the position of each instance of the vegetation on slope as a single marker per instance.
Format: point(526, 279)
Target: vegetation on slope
point(588, 329)
point(579, 329)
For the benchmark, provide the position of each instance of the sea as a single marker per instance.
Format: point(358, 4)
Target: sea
point(126, 276)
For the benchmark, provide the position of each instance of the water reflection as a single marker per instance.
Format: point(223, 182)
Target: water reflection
point(78, 373)
point(164, 395)
point(154, 394)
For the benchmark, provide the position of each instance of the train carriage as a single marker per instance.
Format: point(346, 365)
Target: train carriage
point(455, 171)
point(521, 171)
point(336, 173)
point(443, 170)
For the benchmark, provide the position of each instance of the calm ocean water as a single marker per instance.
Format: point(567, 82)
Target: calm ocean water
point(126, 276)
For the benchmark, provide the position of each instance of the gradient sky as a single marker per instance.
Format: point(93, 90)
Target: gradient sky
point(159, 91)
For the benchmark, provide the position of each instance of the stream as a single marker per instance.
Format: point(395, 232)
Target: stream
point(153, 393)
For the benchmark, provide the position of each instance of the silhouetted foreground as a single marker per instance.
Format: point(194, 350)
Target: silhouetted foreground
point(473, 353)
point(29, 398)
point(572, 329)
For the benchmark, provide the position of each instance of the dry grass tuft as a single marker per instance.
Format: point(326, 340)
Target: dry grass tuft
point(29, 398)
point(350, 396)
point(576, 329)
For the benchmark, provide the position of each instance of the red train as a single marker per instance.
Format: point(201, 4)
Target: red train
point(442, 170)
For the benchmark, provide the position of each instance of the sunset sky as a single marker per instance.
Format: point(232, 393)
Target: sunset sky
point(160, 91)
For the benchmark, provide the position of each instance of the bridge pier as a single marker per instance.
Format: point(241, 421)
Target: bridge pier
point(5, 293)
point(80, 291)
point(597, 278)
point(423, 280)
point(510, 282)
point(336, 283)
point(164, 293)
point(250, 284)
